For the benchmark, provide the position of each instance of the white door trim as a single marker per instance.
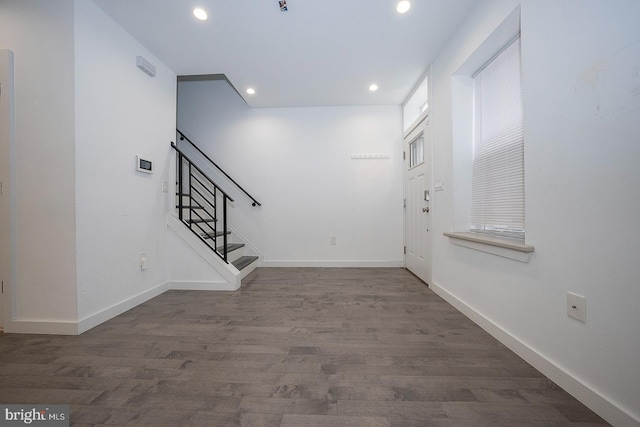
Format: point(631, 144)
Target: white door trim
point(7, 204)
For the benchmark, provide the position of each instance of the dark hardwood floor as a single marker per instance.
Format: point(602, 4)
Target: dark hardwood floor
point(293, 347)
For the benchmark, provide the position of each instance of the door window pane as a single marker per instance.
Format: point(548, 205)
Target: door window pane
point(416, 151)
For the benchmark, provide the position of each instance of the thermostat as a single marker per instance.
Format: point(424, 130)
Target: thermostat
point(144, 165)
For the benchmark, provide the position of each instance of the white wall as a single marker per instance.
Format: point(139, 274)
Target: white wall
point(582, 121)
point(297, 163)
point(121, 113)
point(41, 37)
point(191, 263)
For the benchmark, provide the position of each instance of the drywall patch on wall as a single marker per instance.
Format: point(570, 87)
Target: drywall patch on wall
point(612, 85)
point(593, 75)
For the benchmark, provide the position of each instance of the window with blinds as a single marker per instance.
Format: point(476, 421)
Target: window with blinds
point(497, 194)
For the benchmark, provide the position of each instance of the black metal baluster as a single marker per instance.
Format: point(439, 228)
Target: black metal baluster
point(180, 184)
point(190, 197)
point(215, 225)
point(224, 225)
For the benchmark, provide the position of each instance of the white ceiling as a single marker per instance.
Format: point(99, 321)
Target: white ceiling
point(317, 53)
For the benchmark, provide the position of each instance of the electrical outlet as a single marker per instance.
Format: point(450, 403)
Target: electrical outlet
point(142, 261)
point(332, 240)
point(577, 307)
point(165, 187)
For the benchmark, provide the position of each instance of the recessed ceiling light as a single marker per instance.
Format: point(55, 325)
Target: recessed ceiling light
point(403, 6)
point(373, 87)
point(251, 91)
point(200, 14)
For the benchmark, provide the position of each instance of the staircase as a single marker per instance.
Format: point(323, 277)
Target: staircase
point(201, 205)
point(235, 251)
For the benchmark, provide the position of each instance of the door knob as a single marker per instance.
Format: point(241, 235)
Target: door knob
point(425, 209)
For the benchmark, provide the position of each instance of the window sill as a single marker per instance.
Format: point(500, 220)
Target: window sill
point(506, 248)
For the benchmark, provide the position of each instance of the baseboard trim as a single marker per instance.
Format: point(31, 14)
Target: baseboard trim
point(102, 316)
point(117, 309)
point(596, 401)
point(23, 326)
point(203, 286)
point(336, 264)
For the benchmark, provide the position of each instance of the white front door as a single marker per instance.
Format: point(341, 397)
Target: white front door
point(6, 131)
point(417, 146)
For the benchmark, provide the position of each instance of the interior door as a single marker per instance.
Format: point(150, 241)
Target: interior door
point(6, 132)
point(418, 201)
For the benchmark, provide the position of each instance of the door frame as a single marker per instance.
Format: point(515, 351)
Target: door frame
point(7, 177)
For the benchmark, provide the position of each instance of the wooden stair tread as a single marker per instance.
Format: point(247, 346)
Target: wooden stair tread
point(230, 247)
point(244, 261)
point(211, 235)
point(199, 221)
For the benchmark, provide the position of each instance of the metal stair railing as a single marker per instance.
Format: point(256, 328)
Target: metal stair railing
point(183, 137)
point(201, 204)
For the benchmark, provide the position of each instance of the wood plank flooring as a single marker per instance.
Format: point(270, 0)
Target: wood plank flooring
point(296, 347)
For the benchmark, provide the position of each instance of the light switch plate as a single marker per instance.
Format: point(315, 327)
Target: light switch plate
point(439, 184)
point(143, 261)
point(577, 307)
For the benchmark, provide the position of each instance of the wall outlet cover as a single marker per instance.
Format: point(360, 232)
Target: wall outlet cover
point(577, 307)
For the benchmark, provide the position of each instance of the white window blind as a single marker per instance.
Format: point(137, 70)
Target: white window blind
point(497, 195)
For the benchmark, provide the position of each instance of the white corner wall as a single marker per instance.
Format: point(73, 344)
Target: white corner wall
point(121, 112)
point(40, 33)
point(581, 88)
point(297, 163)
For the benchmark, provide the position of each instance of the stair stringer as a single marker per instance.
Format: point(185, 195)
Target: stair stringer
point(231, 277)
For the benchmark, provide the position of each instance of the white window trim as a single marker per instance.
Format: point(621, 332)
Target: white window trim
point(506, 248)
